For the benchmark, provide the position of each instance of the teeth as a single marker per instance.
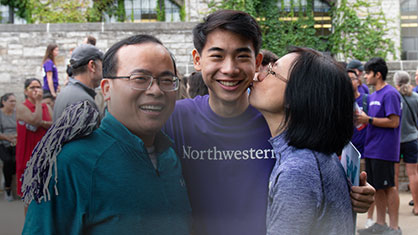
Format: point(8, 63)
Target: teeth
point(151, 108)
point(229, 83)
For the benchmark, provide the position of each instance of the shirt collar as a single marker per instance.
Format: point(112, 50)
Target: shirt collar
point(89, 91)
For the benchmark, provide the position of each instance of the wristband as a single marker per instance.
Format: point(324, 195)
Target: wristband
point(371, 120)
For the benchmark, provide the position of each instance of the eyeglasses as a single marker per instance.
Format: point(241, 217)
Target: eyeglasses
point(141, 82)
point(34, 87)
point(264, 74)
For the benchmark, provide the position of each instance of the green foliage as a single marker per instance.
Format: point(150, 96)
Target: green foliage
point(22, 8)
point(59, 11)
point(160, 10)
point(352, 36)
point(183, 12)
point(360, 37)
point(110, 7)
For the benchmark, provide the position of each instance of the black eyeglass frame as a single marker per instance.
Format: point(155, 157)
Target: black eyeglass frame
point(176, 81)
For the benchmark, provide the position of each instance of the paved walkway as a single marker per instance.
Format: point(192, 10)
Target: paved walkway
point(12, 219)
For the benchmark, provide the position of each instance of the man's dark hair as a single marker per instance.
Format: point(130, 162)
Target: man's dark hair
point(110, 60)
point(375, 65)
point(196, 85)
point(81, 69)
point(237, 22)
point(91, 40)
point(268, 57)
point(318, 103)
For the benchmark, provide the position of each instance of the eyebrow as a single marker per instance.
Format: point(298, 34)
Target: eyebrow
point(241, 49)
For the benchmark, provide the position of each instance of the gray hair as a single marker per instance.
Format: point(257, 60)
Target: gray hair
point(402, 80)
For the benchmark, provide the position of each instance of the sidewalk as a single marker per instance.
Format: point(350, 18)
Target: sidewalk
point(407, 221)
point(12, 219)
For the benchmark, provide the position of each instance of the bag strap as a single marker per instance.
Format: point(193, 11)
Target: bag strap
point(365, 104)
point(412, 113)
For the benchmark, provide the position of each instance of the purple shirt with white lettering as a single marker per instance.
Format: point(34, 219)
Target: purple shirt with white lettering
point(226, 164)
point(383, 143)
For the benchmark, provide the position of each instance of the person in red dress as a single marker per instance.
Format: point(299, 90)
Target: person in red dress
point(33, 120)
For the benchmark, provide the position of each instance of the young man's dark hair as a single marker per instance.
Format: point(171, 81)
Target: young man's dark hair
point(237, 22)
point(327, 130)
point(376, 65)
point(110, 62)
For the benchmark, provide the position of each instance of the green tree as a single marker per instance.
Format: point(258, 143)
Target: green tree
point(59, 11)
point(352, 36)
point(360, 37)
point(19, 7)
point(111, 7)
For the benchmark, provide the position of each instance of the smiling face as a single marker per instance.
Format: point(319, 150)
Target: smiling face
point(371, 78)
point(268, 95)
point(228, 64)
point(143, 112)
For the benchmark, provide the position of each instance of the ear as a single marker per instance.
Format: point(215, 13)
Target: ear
point(105, 85)
point(379, 75)
point(196, 60)
point(92, 66)
point(258, 60)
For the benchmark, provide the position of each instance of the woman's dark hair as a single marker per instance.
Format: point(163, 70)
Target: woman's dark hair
point(319, 102)
point(196, 85)
point(234, 21)
point(4, 98)
point(375, 65)
point(49, 53)
point(110, 60)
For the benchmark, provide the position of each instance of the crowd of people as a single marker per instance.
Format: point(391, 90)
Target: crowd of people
point(251, 147)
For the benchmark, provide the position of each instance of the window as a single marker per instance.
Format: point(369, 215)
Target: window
point(409, 29)
point(146, 10)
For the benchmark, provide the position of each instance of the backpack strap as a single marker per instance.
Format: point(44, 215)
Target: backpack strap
point(365, 104)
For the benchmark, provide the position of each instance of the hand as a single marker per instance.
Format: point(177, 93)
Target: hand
point(362, 196)
point(362, 118)
point(38, 93)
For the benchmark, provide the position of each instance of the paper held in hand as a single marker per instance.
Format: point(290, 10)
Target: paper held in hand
point(350, 160)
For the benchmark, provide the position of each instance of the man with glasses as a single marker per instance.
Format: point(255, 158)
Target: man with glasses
point(124, 178)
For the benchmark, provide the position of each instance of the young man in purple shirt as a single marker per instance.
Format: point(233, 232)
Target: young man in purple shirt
point(221, 140)
point(382, 146)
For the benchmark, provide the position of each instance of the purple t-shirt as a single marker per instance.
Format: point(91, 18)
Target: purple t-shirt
point(383, 143)
point(359, 136)
point(49, 66)
point(226, 164)
point(363, 89)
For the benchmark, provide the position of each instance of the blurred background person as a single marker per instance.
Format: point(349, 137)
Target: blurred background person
point(195, 85)
point(48, 99)
point(409, 134)
point(268, 57)
point(33, 120)
point(90, 40)
point(358, 67)
point(51, 84)
point(8, 141)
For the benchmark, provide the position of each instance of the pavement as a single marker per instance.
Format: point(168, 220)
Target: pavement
point(12, 216)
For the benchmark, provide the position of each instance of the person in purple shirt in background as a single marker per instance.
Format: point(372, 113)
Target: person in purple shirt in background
point(51, 84)
point(382, 146)
point(221, 140)
point(358, 67)
point(362, 101)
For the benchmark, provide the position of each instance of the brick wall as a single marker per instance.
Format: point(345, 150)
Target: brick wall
point(22, 47)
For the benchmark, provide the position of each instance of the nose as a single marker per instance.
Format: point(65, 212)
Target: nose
point(154, 88)
point(229, 66)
